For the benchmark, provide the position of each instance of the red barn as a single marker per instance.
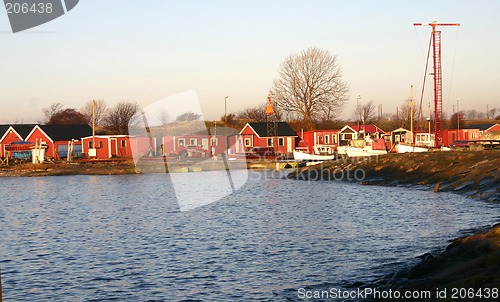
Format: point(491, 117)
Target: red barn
point(255, 135)
point(13, 133)
point(108, 146)
point(57, 137)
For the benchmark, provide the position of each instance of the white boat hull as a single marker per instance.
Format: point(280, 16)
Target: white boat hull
point(301, 156)
point(400, 148)
point(357, 152)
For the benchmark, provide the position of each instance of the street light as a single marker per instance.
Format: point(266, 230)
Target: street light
point(225, 111)
point(225, 125)
point(458, 121)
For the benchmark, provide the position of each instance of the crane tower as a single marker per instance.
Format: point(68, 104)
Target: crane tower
point(438, 83)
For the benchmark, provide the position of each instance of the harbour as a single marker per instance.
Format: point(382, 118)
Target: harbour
point(108, 237)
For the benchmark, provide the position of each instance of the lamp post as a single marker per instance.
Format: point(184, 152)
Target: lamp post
point(458, 121)
point(225, 124)
point(225, 110)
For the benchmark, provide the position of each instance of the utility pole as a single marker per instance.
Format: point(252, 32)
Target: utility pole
point(438, 81)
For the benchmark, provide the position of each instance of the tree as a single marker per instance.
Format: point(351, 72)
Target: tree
point(403, 117)
point(258, 113)
point(100, 109)
point(365, 113)
point(67, 117)
point(188, 116)
point(51, 110)
point(310, 84)
point(118, 118)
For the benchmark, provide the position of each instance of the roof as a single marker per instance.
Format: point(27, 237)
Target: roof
point(22, 129)
point(366, 128)
point(66, 132)
point(260, 128)
point(481, 127)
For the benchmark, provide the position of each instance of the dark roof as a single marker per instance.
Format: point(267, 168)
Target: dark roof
point(283, 129)
point(22, 129)
point(481, 127)
point(67, 132)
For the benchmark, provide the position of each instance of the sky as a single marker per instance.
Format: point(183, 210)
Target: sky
point(145, 51)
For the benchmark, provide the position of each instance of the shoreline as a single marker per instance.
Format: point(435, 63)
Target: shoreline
point(472, 174)
point(470, 263)
point(469, 267)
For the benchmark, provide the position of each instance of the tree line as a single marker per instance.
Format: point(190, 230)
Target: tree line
point(309, 93)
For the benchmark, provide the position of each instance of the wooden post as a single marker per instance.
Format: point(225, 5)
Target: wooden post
point(0, 285)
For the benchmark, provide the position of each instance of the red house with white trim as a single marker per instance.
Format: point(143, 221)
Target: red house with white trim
point(255, 135)
point(311, 138)
point(13, 133)
point(57, 137)
point(108, 146)
point(198, 145)
point(449, 136)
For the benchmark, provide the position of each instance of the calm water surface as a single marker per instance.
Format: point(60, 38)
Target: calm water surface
point(124, 238)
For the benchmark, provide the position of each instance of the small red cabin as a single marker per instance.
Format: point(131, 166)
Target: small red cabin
point(255, 135)
point(108, 146)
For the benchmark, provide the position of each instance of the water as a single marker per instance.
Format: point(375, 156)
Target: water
point(123, 238)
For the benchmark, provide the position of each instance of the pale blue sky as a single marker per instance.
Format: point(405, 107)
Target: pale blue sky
point(147, 50)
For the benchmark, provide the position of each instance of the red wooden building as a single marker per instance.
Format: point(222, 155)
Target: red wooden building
point(107, 146)
point(255, 135)
point(485, 128)
point(13, 133)
point(199, 145)
point(311, 138)
point(57, 137)
point(449, 136)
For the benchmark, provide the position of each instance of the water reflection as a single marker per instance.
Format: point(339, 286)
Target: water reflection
point(124, 237)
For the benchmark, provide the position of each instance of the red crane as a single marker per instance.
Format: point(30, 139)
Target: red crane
point(438, 83)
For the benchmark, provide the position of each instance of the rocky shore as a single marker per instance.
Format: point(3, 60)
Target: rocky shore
point(473, 174)
point(64, 168)
point(467, 270)
point(469, 267)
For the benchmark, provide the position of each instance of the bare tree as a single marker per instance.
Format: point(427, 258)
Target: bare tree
point(163, 117)
point(51, 110)
point(188, 116)
point(118, 118)
point(403, 117)
point(310, 84)
point(67, 117)
point(99, 112)
point(365, 113)
point(258, 113)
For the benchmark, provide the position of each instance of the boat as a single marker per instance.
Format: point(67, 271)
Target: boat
point(365, 147)
point(405, 148)
point(321, 153)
